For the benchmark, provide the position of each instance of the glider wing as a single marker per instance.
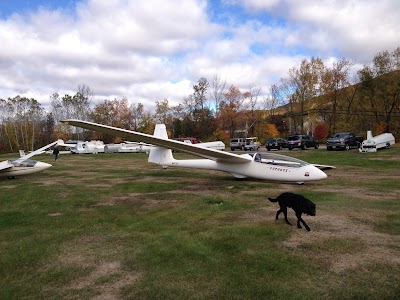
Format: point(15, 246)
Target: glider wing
point(165, 143)
point(33, 153)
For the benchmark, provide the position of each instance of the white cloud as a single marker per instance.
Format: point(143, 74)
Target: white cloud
point(156, 27)
point(357, 29)
point(152, 50)
point(256, 5)
point(110, 46)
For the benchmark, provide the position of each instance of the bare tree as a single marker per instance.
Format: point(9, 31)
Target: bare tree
point(137, 110)
point(83, 101)
point(253, 103)
point(218, 89)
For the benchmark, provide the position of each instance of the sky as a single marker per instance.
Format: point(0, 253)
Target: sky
point(148, 51)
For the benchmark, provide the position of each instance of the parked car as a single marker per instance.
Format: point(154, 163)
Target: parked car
point(252, 144)
point(276, 143)
point(343, 140)
point(302, 141)
point(237, 143)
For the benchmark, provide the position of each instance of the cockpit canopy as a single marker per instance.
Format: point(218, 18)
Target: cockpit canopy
point(278, 159)
point(26, 163)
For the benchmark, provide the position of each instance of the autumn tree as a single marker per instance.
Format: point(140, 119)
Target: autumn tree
point(123, 114)
point(221, 135)
point(163, 113)
point(334, 80)
point(147, 123)
point(304, 82)
point(321, 131)
point(197, 119)
point(271, 131)
point(178, 113)
point(380, 87)
point(231, 115)
point(280, 123)
point(115, 113)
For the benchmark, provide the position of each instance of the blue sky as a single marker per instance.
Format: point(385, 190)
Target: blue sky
point(8, 7)
point(152, 50)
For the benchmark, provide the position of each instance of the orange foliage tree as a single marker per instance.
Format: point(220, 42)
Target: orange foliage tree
point(271, 131)
point(221, 135)
point(113, 113)
point(380, 128)
point(231, 115)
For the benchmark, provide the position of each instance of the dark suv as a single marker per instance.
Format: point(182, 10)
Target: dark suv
point(276, 143)
point(302, 141)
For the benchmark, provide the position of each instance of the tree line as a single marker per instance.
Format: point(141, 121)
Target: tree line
point(314, 98)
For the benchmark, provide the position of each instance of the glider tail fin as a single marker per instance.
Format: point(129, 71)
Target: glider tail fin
point(158, 155)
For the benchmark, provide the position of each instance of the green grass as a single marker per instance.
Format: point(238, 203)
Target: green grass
point(98, 225)
point(390, 224)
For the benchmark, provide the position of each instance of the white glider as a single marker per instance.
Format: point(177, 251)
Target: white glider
point(267, 166)
point(24, 165)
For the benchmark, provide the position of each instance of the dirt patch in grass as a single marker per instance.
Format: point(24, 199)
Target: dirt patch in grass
point(108, 279)
point(140, 201)
point(8, 186)
point(56, 214)
point(352, 192)
point(105, 277)
point(108, 203)
point(373, 247)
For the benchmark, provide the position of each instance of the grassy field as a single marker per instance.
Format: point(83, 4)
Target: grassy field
point(112, 226)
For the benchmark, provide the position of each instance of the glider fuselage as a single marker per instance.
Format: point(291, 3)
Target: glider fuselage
point(25, 168)
point(253, 169)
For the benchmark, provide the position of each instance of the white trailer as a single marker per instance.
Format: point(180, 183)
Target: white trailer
point(133, 147)
point(217, 145)
point(111, 148)
point(92, 147)
point(373, 143)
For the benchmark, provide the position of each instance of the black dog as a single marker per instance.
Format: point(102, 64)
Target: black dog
point(298, 203)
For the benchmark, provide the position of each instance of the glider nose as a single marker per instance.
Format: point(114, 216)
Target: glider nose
point(42, 165)
point(313, 173)
point(319, 174)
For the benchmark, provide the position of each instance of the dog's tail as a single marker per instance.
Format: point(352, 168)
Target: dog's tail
point(272, 200)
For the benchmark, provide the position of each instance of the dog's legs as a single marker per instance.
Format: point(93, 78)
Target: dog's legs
point(284, 210)
point(278, 213)
point(300, 219)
